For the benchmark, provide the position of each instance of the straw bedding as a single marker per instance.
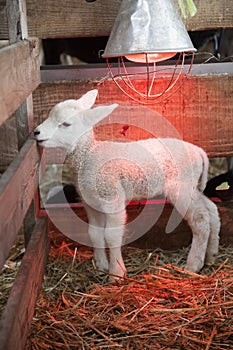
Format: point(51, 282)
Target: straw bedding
point(158, 305)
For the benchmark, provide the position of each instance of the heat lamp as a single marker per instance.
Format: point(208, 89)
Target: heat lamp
point(148, 32)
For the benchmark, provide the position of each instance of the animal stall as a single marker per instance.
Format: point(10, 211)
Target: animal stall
point(157, 305)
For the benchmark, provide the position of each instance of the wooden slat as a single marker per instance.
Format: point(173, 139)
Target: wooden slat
point(4, 34)
point(80, 18)
point(71, 18)
point(215, 14)
point(14, 132)
point(17, 189)
point(8, 142)
point(201, 110)
point(19, 64)
point(17, 20)
point(17, 316)
point(182, 234)
point(99, 71)
point(21, 118)
point(65, 220)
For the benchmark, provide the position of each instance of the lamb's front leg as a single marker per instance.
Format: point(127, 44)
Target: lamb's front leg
point(96, 221)
point(114, 231)
point(96, 235)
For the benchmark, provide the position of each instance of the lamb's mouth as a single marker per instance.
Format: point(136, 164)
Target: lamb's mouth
point(41, 141)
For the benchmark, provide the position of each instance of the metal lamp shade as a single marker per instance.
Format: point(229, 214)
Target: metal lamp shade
point(147, 26)
point(148, 31)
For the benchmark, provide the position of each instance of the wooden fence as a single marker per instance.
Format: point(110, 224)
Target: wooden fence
point(201, 110)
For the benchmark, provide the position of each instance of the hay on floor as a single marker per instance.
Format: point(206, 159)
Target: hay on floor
point(158, 305)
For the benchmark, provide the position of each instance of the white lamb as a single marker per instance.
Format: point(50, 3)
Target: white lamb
point(108, 174)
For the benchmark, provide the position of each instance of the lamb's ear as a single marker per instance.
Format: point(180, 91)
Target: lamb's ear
point(95, 115)
point(87, 100)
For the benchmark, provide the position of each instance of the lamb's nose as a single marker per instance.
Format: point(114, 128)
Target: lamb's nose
point(36, 133)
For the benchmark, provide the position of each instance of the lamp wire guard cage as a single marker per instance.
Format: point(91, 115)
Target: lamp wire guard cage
point(150, 83)
point(148, 32)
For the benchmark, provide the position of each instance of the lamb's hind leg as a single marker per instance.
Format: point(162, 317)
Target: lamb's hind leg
point(213, 242)
point(198, 218)
point(114, 231)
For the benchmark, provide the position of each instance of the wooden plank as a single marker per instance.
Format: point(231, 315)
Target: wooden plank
point(30, 113)
point(17, 20)
point(29, 222)
point(156, 237)
point(14, 132)
point(17, 188)
point(21, 124)
point(70, 18)
point(99, 71)
point(8, 142)
point(17, 316)
point(200, 110)
point(17, 28)
point(215, 14)
point(4, 34)
point(182, 235)
point(19, 64)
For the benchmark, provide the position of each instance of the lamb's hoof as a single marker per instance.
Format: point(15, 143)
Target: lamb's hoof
point(101, 267)
point(210, 260)
point(117, 275)
point(195, 264)
point(193, 268)
point(116, 279)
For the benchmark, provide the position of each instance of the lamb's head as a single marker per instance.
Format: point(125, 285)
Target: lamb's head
point(69, 120)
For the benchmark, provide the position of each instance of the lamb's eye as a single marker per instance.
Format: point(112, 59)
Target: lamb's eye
point(64, 124)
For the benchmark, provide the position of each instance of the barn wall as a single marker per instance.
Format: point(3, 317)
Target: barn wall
point(71, 18)
point(201, 110)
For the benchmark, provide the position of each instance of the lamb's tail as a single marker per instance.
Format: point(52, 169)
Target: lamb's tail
point(204, 175)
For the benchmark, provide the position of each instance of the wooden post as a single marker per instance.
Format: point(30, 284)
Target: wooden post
point(21, 118)
point(18, 31)
point(17, 27)
point(17, 316)
point(17, 20)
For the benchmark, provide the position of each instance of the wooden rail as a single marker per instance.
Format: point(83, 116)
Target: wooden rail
point(67, 19)
point(156, 236)
point(20, 67)
point(201, 110)
point(17, 188)
point(18, 313)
